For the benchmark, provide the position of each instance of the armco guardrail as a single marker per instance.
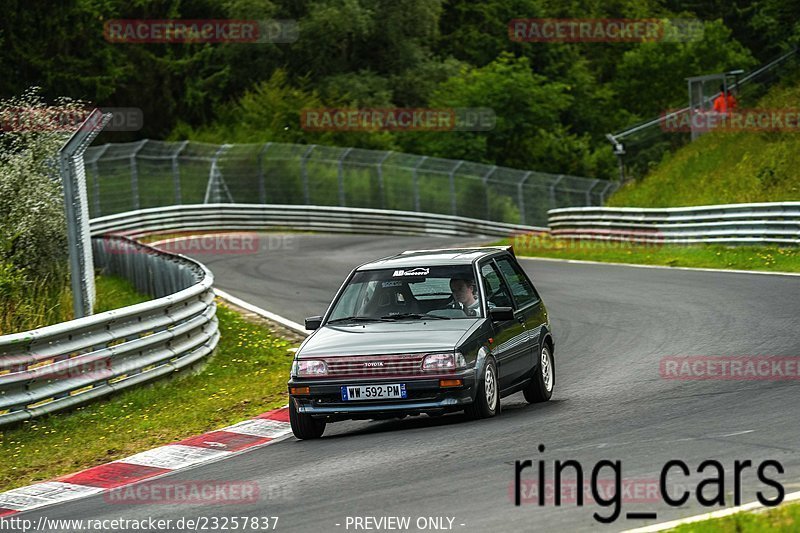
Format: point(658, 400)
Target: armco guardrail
point(206, 217)
point(60, 366)
point(763, 223)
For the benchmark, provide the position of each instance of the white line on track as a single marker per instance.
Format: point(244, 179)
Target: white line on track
point(633, 265)
point(754, 506)
point(294, 326)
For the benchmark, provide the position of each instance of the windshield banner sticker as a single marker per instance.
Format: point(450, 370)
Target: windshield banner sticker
point(419, 271)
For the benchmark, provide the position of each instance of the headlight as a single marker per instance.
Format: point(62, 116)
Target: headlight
point(444, 361)
point(309, 368)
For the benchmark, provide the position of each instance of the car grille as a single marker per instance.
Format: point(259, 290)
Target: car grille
point(375, 365)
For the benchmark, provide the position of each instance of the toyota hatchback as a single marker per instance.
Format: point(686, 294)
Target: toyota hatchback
point(424, 331)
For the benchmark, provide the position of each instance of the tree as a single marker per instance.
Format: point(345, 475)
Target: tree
point(651, 77)
point(528, 130)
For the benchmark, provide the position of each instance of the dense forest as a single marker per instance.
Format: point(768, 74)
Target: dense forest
point(554, 102)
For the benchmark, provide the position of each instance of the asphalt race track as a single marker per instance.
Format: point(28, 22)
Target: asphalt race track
point(612, 325)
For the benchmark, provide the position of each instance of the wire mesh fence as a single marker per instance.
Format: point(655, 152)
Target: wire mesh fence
point(138, 175)
point(646, 143)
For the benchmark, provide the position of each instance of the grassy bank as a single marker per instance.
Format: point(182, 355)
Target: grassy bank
point(246, 376)
point(48, 304)
point(781, 518)
point(766, 258)
point(26, 305)
point(727, 167)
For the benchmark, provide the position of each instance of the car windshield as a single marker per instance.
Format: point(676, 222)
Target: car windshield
point(418, 293)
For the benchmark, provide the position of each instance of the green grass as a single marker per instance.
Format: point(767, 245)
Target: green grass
point(113, 292)
point(27, 304)
point(726, 167)
point(49, 302)
point(246, 376)
point(781, 518)
point(766, 258)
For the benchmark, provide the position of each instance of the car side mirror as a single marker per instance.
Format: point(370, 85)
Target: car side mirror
point(313, 322)
point(500, 314)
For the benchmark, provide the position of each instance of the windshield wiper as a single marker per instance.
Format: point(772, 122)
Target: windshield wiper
point(413, 315)
point(358, 319)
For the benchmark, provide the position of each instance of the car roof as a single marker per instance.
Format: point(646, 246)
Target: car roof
point(436, 257)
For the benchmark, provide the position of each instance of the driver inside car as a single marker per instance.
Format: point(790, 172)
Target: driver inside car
point(465, 294)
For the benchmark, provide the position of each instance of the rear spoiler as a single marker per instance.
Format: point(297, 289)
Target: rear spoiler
point(507, 247)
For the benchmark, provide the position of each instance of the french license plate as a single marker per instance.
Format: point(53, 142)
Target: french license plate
point(373, 392)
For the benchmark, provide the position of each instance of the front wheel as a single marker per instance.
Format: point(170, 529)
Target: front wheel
point(540, 388)
point(304, 426)
point(487, 398)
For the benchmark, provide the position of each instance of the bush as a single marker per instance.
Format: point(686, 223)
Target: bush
point(33, 242)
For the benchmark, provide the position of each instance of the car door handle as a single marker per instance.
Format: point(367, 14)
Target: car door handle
point(521, 319)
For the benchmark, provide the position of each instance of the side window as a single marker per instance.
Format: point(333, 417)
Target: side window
point(496, 289)
point(521, 288)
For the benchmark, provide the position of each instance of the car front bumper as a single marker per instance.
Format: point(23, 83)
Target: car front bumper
point(424, 395)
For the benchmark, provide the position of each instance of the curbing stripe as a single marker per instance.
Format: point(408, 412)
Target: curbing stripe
point(112, 475)
point(722, 513)
point(282, 415)
point(42, 494)
point(260, 427)
point(174, 456)
point(150, 464)
point(159, 243)
point(225, 440)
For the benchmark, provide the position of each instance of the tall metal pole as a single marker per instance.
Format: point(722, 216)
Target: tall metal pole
point(453, 205)
point(486, 186)
point(521, 196)
point(304, 174)
point(380, 178)
point(415, 183)
point(340, 175)
point(176, 172)
point(262, 186)
point(76, 208)
point(135, 175)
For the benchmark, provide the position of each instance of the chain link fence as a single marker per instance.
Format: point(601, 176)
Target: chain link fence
point(646, 143)
point(128, 176)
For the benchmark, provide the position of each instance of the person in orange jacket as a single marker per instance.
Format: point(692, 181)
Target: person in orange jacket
point(721, 102)
point(732, 103)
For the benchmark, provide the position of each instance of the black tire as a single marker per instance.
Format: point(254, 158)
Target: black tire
point(481, 407)
point(304, 426)
point(537, 391)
